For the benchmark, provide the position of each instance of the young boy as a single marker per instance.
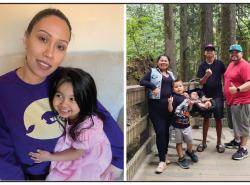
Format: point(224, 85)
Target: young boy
point(181, 105)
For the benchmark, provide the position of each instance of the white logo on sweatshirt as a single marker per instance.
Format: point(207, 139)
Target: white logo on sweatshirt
point(40, 122)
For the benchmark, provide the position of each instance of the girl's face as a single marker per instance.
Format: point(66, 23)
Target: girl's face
point(64, 102)
point(163, 63)
point(45, 47)
point(194, 96)
point(178, 87)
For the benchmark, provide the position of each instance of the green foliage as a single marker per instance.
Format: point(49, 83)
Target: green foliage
point(145, 31)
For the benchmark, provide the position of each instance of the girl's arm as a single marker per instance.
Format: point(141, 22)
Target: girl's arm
point(65, 155)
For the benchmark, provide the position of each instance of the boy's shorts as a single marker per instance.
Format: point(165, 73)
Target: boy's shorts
point(218, 109)
point(183, 135)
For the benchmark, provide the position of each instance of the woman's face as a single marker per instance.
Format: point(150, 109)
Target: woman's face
point(46, 47)
point(64, 102)
point(163, 63)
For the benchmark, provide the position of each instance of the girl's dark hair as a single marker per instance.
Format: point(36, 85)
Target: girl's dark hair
point(45, 13)
point(163, 55)
point(85, 94)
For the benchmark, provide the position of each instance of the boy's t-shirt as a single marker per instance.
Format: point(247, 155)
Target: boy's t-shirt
point(181, 112)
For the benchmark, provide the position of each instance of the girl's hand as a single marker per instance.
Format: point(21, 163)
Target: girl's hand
point(186, 95)
point(190, 102)
point(40, 156)
point(170, 100)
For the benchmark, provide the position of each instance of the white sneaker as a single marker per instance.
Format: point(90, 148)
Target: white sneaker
point(161, 167)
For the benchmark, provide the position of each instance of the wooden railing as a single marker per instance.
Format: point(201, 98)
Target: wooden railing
point(140, 137)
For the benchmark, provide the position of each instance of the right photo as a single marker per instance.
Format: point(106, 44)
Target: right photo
point(188, 92)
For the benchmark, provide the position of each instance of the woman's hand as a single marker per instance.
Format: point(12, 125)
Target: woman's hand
point(156, 91)
point(40, 156)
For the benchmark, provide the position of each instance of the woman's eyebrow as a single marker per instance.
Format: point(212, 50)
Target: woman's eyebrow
point(51, 35)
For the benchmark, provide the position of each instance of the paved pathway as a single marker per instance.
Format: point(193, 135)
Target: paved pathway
point(212, 166)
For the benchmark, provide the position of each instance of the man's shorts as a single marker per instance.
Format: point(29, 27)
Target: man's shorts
point(183, 135)
point(218, 111)
point(241, 119)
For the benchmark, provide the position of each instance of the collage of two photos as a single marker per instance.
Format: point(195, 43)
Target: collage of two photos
point(124, 92)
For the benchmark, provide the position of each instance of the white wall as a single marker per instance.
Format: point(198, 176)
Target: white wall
point(96, 45)
point(94, 27)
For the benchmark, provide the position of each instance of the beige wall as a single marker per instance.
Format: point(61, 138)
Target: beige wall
point(95, 27)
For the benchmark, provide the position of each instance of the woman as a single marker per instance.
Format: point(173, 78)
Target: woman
point(159, 82)
point(26, 121)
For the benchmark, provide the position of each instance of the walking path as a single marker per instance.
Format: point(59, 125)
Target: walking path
point(212, 166)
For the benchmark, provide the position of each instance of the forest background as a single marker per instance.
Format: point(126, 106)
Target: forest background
point(181, 31)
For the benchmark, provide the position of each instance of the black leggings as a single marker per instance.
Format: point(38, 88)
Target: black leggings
point(161, 120)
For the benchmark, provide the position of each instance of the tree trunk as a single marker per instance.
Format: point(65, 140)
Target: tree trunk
point(184, 64)
point(228, 30)
point(206, 26)
point(169, 36)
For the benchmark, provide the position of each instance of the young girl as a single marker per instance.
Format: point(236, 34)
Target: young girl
point(84, 152)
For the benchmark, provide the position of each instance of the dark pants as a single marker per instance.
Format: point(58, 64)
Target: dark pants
point(161, 119)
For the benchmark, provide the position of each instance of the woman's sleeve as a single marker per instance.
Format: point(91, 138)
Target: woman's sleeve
point(145, 81)
point(115, 136)
point(10, 169)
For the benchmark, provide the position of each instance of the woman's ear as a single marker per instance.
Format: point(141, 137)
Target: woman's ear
point(25, 40)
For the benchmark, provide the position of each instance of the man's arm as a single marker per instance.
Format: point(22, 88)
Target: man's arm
point(115, 136)
point(10, 169)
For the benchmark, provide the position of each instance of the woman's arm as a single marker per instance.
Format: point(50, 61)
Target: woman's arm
point(10, 167)
point(145, 81)
point(66, 155)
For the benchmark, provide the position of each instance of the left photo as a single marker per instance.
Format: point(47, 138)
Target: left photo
point(61, 103)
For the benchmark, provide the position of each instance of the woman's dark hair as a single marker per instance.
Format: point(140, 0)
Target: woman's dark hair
point(163, 56)
point(85, 94)
point(45, 13)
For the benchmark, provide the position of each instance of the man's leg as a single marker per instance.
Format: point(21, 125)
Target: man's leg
point(205, 130)
point(218, 130)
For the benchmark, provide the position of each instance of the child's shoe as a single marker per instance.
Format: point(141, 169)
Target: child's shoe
point(183, 162)
point(192, 155)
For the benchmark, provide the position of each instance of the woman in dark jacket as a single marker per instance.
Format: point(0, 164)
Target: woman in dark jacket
point(159, 83)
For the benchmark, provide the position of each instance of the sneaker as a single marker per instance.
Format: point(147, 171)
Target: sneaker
point(232, 144)
point(240, 154)
point(161, 167)
point(192, 155)
point(183, 163)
